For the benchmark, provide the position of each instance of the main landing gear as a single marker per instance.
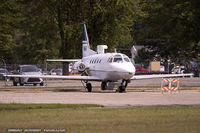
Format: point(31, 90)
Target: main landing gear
point(103, 85)
point(122, 84)
point(89, 87)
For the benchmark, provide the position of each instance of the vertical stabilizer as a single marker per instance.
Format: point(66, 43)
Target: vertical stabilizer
point(86, 51)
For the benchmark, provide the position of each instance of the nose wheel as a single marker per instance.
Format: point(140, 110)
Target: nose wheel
point(122, 85)
point(121, 89)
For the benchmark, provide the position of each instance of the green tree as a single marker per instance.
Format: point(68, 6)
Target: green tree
point(10, 18)
point(110, 22)
point(39, 38)
point(36, 30)
point(107, 21)
point(144, 57)
point(170, 28)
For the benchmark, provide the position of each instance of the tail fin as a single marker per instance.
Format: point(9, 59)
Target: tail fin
point(86, 51)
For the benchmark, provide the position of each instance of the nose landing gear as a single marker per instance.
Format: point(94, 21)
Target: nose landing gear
point(88, 86)
point(122, 84)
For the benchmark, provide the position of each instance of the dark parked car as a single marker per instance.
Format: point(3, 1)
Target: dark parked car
point(27, 70)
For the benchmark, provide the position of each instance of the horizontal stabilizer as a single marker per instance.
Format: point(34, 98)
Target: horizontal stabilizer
point(63, 60)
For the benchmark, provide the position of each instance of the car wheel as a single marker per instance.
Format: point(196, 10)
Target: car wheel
point(34, 84)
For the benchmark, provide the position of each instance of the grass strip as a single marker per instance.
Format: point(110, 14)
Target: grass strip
point(16, 106)
point(81, 119)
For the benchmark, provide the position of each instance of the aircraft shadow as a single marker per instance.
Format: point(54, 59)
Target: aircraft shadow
point(82, 91)
point(67, 90)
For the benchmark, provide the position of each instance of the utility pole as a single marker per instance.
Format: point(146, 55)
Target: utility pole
point(5, 71)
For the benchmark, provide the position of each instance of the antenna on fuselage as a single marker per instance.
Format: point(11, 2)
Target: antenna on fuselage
point(115, 50)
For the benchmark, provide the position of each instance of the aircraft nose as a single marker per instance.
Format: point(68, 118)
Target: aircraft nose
point(131, 73)
point(128, 70)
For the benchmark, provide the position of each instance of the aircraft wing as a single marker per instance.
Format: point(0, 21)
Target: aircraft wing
point(160, 76)
point(63, 60)
point(87, 78)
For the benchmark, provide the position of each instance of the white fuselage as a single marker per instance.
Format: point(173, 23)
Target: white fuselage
point(109, 66)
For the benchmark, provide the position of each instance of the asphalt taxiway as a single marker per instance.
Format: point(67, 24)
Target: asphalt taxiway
point(139, 93)
point(184, 97)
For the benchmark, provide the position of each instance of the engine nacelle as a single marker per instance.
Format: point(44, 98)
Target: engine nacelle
point(78, 67)
point(81, 67)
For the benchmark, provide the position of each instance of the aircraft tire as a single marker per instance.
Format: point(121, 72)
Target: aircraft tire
point(121, 89)
point(103, 86)
point(42, 84)
point(89, 87)
point(20, 82)
point(14, 83)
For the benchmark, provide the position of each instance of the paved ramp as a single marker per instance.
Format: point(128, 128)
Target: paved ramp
point(184, 97)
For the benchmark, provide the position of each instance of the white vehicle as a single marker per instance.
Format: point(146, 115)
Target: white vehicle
point(107, 68)
point(178, 70)
point(24, 70)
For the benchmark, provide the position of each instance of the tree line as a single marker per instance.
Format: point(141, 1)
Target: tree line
point(32, 31)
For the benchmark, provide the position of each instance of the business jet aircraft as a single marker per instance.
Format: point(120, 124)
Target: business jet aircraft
point(108, 68)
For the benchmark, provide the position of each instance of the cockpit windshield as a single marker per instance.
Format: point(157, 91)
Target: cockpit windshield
point(126, 59)
point(117, 58)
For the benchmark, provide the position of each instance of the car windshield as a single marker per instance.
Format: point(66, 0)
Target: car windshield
point(3, 71)
point(29, 69)
point(57, 70)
